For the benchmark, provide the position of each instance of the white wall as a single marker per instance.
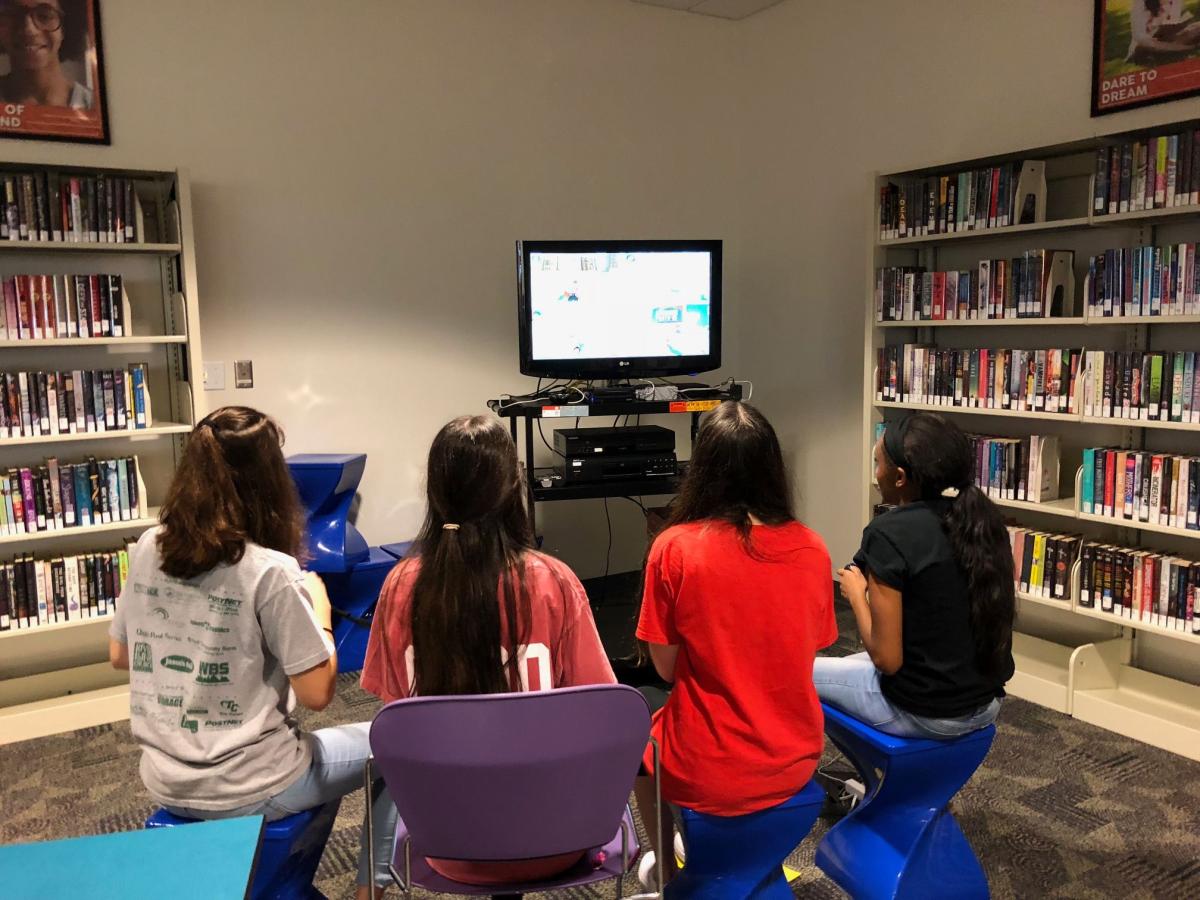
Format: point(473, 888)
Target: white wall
point(361, 172)
point(830, 99)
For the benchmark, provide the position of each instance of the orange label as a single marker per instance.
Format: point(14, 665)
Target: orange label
point(687, 406)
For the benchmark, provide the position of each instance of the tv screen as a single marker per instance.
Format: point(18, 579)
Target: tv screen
point(619, 309)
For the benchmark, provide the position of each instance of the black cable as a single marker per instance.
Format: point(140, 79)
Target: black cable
point(607, 557)
point(542, 435)
point(636, 503)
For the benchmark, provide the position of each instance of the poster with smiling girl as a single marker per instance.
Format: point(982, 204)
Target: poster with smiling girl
point(51, 71)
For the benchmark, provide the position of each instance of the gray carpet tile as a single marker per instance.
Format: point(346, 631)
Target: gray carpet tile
point(1059, 808)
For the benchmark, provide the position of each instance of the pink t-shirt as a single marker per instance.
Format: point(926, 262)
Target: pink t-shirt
point(562, 649)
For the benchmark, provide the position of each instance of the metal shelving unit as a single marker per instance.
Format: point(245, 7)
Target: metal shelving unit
point(55, 677)
point(1102, 681)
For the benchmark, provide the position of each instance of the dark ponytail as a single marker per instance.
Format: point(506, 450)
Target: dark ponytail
point(939, 460)
point(476, 533)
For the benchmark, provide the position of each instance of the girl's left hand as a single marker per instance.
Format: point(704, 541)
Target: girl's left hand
point(854, 583)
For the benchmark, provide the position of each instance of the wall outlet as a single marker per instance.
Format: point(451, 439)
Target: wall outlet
point(243, 373)
point(214, 376)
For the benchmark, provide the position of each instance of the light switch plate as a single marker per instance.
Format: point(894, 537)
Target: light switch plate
point(243, 373)
point(214, 376)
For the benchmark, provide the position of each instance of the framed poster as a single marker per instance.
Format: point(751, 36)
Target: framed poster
point(52, 71)
point(1143, 52)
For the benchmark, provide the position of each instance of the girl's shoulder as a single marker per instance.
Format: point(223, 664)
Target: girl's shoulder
point(541, 568)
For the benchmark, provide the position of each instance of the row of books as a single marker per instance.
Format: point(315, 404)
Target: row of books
point(1042, 562)
point(1141, 586)
point(39, 592)
point(1155, 173)
point(1021, 380)
point(1037, 284)
point(54, 496)
point(942, 204)
point(74, 402)
point(1017, 468)
point(54, 206)
point(1145, 281)
point(44, 307)
point(1154, 386)
point(1141, 486)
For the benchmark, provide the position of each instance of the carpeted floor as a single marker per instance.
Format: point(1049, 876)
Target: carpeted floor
point(1058, 809)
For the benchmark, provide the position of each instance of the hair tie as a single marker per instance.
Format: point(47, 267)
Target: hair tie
point(450, 526)
point(893, 443)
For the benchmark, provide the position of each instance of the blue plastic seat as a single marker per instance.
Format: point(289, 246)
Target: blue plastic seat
point(290, 853)
point(902, 841)
point(742, 856)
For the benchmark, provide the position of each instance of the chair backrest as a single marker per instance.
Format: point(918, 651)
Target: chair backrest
point(511, 776)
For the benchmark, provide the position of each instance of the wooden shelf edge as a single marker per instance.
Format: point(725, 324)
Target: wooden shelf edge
point(1188, 533)
point(55, 627)
point(139, 524)
point(152, 431)
point(131, 340)
point(1072, 321)
point(983, 233)
point(89, 247)
point(982, 323)
point(977, 411)
point(1136, 624)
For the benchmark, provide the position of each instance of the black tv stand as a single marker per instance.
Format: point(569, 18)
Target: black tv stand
point(540, 491)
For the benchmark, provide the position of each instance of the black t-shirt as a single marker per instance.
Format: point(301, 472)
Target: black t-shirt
point(907, 549)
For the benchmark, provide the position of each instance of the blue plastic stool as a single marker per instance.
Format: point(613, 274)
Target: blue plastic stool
point(742, 856)
point(901, 841)
point(353, 595)
point(290, 853)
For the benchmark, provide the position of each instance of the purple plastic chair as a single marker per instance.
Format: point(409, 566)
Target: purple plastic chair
point(504, 777)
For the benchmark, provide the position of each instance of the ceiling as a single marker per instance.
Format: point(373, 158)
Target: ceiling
point(724, 9)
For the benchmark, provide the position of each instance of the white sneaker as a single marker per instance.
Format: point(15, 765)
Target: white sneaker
point(646, 868)
point(646, 871)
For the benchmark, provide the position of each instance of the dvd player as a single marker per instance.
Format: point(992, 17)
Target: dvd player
point(628, 467)
point(630, 439)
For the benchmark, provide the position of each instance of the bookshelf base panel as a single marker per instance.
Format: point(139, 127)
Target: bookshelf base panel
point(65, 700)
point(1141, 705)
point(1043, 672)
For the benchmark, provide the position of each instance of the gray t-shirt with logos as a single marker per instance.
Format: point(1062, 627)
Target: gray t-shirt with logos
point(209, 660)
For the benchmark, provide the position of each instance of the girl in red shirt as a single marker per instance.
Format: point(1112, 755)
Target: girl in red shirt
point(738, 599)
point(478, 610)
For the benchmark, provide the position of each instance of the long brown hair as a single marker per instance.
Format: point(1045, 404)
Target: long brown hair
point(232, 486)
point(736, 471)
point(476, 534)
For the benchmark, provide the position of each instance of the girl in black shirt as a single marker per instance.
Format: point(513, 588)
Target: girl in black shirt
point(932, 593)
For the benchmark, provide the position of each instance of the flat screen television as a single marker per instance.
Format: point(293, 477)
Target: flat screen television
point(618, 309)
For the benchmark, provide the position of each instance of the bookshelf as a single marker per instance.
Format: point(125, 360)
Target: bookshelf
point(54, 675)
point(1135, 677)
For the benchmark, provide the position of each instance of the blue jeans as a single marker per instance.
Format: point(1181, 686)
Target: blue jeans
point(851, 683)
point(338, 755)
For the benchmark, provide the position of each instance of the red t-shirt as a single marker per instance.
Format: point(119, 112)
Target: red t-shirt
point(562, 650)
point(742, 729)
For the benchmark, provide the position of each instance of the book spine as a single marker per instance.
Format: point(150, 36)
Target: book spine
point(1100, 182)
point(84, 491)
point(66, 490)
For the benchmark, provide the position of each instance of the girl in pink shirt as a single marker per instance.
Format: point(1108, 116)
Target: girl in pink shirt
point(478, 610)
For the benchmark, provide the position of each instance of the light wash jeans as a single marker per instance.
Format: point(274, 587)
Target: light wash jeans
point(336, 770)
point(851, 683)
